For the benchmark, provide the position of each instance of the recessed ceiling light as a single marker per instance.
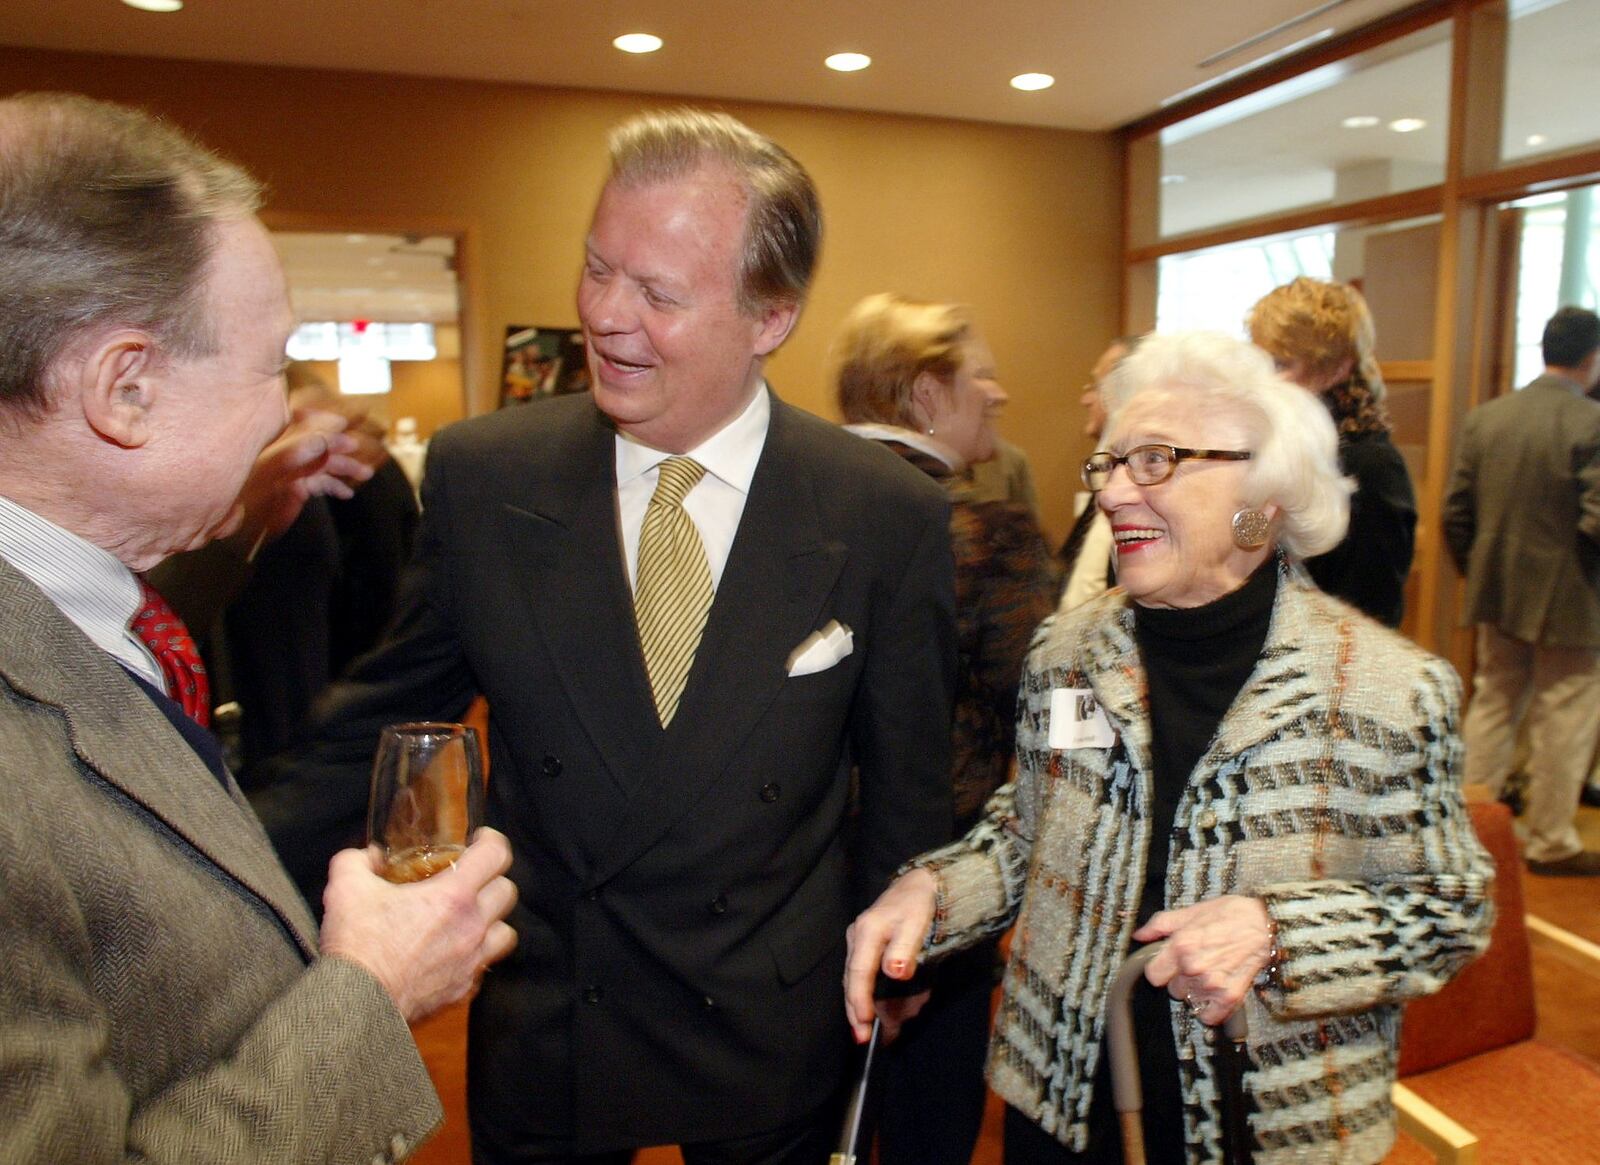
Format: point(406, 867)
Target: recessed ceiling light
point(638, 42)
point(1360, 121)
point(1537, 139)
point(155, 5)
point(1031, 81)
point(847, 62)
point(1173, 179)
point(1407, 124)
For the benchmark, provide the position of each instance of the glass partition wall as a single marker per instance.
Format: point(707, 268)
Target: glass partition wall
point(1443, 160)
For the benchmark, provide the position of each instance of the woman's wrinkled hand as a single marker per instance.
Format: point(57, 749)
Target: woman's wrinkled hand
point(889, 935)
point(1214, 951)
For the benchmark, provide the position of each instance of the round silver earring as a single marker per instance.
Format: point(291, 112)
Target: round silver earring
point(930, 430)
point(1250, 528)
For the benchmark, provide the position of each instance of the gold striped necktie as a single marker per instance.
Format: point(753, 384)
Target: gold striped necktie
point(673, 593)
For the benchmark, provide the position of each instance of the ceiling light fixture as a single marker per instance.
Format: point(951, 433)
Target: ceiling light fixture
point(1360, 121)
point(847, 62)
point(637, 42)
point(155, 5)
point(1407, 124)
point(1173, 179)
point(1029, 82)
point(1537, 139)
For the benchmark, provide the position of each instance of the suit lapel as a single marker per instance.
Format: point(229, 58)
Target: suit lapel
point(564, 548)
point(779, 574)
point(123, 738)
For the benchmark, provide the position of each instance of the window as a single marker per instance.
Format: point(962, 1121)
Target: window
point(1366, 126)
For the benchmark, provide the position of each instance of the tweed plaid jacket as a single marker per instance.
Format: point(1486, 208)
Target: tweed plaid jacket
point(1329, 791)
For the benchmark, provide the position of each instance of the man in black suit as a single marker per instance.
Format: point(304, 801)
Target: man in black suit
point(678, 819)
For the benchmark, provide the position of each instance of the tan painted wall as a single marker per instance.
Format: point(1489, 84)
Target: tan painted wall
point(1023, 224)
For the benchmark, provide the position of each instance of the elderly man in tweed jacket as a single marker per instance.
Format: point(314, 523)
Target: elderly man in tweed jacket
point(166, 995)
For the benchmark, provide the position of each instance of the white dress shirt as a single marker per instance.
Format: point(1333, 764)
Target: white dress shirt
point(90, 585)
point(716, 503)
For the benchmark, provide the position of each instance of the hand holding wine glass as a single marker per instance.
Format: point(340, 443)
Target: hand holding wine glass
point(427, 797)
point(427, 944)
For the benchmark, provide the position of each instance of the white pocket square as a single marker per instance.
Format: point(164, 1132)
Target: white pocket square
point(821, 649)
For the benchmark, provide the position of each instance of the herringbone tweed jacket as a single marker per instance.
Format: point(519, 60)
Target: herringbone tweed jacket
point(161, 995)
point(1329, 791)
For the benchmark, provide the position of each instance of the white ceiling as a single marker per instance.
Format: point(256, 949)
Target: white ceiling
point(403, 279)
point(1114, 60)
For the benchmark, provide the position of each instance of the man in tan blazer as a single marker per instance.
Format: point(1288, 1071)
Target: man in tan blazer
point(1522, 519)
point(165, 994)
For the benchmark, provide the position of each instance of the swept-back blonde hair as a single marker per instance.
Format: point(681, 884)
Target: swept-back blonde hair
point(783, 216)
point(885, 343)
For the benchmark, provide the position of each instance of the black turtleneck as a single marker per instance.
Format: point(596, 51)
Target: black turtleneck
point(1195, 661)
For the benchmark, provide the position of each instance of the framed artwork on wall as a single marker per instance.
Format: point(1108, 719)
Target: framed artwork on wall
point(541, 362)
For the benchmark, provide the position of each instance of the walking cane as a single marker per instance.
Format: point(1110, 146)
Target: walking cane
point(851, 1132)
point(1128, 1095)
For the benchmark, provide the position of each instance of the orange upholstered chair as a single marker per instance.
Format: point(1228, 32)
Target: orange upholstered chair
point(1469, 1051)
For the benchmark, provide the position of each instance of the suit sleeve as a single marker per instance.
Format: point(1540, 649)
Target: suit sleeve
point(327, 1072)
point(1460, 516)
point(901, 718)
point(1586, 457)
point(313, 800)
point(1401, 933)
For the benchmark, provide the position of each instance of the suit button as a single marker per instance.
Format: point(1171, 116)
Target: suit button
point(707, 1003)
point(591, 895)
point(550, 766)
point(397, 1146)
point(718, 905)
point(592, 994)
point(1208, 820)
point(770, 791)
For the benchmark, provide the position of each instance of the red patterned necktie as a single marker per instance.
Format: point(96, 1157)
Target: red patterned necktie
point(157, 625)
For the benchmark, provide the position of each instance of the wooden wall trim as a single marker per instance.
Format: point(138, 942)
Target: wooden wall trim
point(1370, 36)
point(1383, 208)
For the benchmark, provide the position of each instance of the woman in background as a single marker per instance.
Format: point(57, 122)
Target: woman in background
point(1321, 337)
point(919, 378)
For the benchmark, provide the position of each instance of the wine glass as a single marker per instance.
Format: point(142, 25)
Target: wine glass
point(427, 797)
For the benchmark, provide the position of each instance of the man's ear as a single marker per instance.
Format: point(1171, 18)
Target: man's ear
point(775, 321)
point(116, 387)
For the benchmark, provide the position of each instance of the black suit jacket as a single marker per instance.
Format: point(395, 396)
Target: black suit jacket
point(684, 893)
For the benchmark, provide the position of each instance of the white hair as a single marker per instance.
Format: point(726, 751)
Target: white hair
point(1294, 446)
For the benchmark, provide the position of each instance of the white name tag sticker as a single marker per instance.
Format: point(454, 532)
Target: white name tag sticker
point(1078, 721)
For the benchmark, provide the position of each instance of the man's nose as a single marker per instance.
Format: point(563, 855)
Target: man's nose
point(608, 308)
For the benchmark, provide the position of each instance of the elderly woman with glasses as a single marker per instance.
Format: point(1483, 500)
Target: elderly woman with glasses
point(1217, 755)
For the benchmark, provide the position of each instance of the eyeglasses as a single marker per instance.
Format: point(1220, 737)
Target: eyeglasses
point(1149, 464)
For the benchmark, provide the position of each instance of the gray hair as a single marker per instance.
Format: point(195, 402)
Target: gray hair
point(105, 221)
point(783, 218)
point(1295, 462)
